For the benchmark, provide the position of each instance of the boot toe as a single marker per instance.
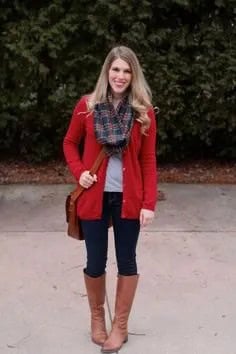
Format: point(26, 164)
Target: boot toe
point(99, 338)
point(113, 345)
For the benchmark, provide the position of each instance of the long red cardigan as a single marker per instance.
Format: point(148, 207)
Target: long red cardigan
point(138, 159)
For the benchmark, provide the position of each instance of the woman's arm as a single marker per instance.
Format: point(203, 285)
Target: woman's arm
point(75, 133)
point(148, 164)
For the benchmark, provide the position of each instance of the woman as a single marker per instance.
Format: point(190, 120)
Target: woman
point(118, 115)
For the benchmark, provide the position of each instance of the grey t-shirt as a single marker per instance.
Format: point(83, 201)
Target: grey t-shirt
point(113, 181)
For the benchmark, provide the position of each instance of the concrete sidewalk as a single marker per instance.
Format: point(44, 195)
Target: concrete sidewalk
point(185, 302)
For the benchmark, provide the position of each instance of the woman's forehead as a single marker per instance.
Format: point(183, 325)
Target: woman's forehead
point(120, 63)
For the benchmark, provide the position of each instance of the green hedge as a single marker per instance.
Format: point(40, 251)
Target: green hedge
point(51, 53)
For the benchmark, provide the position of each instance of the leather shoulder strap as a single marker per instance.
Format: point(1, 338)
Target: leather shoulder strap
point(98, 162)
point(76, 193)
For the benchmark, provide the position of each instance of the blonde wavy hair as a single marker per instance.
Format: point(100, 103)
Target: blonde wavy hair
point(139, 93)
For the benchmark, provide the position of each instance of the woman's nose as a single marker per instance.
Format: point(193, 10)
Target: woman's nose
point(121, 74)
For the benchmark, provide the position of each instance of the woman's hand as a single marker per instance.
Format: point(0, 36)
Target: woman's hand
point(86, 180)
point(146, 217)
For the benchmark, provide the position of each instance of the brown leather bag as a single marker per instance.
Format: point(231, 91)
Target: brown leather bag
point(74, 226)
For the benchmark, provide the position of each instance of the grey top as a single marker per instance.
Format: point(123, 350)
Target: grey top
point(114, 181)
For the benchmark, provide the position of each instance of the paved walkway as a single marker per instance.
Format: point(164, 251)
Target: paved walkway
point(185, 302)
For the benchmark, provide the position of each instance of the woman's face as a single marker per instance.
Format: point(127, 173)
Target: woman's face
point(119, 77)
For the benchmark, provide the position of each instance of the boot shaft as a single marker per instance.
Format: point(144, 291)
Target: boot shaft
point(96, 298)
point(125, 293)
point(126, 288)
point(95, 290)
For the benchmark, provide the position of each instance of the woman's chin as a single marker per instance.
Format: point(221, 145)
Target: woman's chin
point(119, 91)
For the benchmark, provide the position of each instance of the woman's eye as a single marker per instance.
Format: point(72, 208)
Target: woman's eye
point(118, 70)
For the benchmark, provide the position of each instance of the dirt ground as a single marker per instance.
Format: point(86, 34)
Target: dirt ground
point(213, 172)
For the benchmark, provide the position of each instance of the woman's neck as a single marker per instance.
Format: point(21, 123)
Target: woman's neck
point(116, 101)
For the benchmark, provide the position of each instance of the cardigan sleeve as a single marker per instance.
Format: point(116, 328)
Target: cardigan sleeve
point(149, 164)
point(74, 134)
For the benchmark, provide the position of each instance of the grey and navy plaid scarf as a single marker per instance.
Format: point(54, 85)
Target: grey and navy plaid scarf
point(113, 126)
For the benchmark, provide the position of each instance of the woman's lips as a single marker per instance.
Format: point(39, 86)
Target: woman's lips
point(120, 84)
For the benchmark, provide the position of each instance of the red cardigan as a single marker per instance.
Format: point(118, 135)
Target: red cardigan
point(139, 165)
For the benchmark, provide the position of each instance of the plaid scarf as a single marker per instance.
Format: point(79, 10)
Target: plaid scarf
point(113, 126)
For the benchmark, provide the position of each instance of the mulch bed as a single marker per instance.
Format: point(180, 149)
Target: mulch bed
point(56, 172)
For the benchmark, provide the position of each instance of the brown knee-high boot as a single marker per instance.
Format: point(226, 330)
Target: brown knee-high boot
point(126, 287)
point(96, 298)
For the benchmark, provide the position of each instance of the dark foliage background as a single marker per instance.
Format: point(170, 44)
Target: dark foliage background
point(51, 53)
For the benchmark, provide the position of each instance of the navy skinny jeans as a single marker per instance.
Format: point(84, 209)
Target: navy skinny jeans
point(126, 232)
